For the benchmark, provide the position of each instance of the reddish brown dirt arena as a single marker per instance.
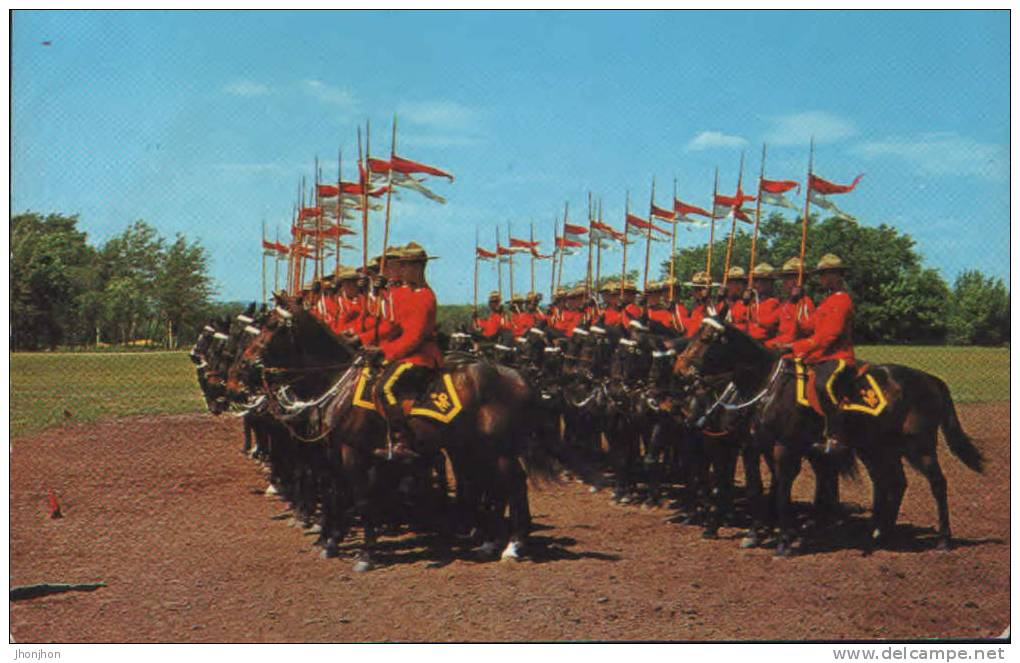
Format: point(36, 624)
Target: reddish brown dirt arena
point(171, 516)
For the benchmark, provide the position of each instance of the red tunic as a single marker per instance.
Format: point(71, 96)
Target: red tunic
point(490, 326)
point(613, 317)
point(793, 319)
point(632, 312)
point(662, 316)
point(681, 318)
point(348, 312)
point(833, 332)
point(737, 314)
point(694, 319)
point(763, 319)
point(568, 320)
point(414, 310)
point(521, 322)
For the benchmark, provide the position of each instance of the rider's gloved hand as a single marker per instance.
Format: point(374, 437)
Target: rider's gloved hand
point(747, 296)
point(374, 355)
point(350, 338)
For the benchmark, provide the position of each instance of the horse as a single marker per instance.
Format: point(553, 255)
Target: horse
point(918, 404)
point(484, 441)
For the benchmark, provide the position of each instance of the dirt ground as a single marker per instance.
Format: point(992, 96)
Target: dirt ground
point(170, 515)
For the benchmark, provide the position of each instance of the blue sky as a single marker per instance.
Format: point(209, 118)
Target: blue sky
point(203, 122)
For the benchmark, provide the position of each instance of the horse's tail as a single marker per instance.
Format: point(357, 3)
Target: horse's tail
point(959, 442)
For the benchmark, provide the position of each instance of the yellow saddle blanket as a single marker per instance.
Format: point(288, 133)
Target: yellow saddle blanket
point(439, 402)
point(866, 396)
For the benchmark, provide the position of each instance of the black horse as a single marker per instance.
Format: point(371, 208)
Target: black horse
point(918, 404)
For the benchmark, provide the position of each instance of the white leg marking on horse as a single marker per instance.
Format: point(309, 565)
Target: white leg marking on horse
point(271, 491)
point(488, 548)
point(512, 553)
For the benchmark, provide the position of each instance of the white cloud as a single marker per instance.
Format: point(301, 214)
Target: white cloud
point(711, 139)
point(245, 88)
point(944, 153)
point(440, 124)
point(330, 94)
point(799, 128)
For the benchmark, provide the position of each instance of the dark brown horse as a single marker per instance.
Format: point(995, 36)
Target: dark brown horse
point(484, 441)
point(917, 405)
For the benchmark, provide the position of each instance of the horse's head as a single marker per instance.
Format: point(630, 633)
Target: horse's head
point(709, 352)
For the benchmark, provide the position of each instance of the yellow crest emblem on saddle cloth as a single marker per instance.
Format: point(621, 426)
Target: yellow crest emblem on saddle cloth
point(440, 403)
point(872, 398)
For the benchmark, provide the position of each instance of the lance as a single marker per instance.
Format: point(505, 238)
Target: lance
point(757, 218)
point(711, 230)
point(317, 271)
point(510, 257)
point(648, 239)
point(552, 269)
point(672, 248)
point(623, 270)
point(276, 263)
point(264, 260)
point(807, 207)
point(340, 204)
point(290, 255)
point(476, 271)
point(598, 252)
point(363, 175)
point(733, 225)
point(301, 242)
point(531, 239)
point(563, 252)
point(591, 236)
point(389, 194)
point(499, 265)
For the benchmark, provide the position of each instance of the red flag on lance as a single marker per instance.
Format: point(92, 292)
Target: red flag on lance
point(282, 249)
point(328, 191)
point(399, 171)
point(406, 166)
point(484, 255)
point(571, 229)
point(309, 213)
point(664, 214)
point(604, 231)
point(771, 192)
point(563, 243)
point(539, 256)
point(684, 211)
point(635, 221)
point(503, 251)
point(522, 243)
point(821, 189)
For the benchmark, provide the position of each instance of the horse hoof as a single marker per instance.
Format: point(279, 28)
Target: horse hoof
point(271, 491)
point(487, 549)
point(944, 545)
point(512, 553)
point(710, 534)
point(782, 552)
point(314, 528)
point(363, 566)
point(593, 489)
point(749, 542)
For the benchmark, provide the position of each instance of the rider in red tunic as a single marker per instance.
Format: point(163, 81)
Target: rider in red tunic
point(702, 304)
point(571, 316)
point(411, 352)
point(763, 311)
point(348, 303)
point(631, 310)
point(490, 326)
point(795, 311)
point(736, 311)
point(612, 311)
point(830, 348)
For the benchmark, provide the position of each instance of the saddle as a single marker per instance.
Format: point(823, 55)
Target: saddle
point(438, 402)
point(865, 395)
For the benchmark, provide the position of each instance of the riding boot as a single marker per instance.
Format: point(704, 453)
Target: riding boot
point(401, 441)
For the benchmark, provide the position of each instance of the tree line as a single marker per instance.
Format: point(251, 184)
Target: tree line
point(138, 288)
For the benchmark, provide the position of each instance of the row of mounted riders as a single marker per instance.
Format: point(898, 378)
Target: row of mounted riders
point(675, 413)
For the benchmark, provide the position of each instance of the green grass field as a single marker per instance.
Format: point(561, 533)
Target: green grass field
point(96, 386)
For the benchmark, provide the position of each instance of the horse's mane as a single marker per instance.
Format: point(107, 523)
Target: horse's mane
point(317, 339)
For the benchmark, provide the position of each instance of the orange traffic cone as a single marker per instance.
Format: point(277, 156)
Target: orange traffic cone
point(54, 506)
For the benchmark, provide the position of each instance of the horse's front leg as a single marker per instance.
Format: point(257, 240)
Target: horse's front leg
point(756, 505)
point(519, 514)
point(787, 466)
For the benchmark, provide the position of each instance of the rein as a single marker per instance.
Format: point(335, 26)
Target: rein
point(287, 409)
point(732, 389)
